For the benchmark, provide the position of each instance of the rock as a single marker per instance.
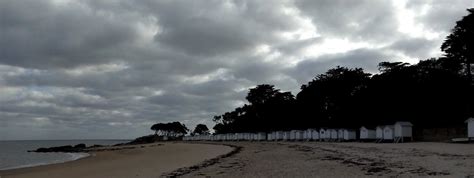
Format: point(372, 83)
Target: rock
point(81, 145)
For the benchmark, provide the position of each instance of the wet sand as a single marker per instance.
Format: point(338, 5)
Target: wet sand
point(316, 159)
point(151, 160)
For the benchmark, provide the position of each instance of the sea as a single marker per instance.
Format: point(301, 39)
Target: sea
point(14, 154)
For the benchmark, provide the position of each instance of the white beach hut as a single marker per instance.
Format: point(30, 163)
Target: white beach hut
point(315, 135)
point(293, 135)
point(306, 136)
point(367, 134)
point(349, 135)
point(328, 134)
point(340, 134)
point(261, 136)
point(470, 128)
point(309, 134)
point(379, 132)
point(251, 136)
point(388, 132)
point(255, 137)
point(278, 135)
point(333, 134)
point(270, 136)
point(299, 135)
point(403, 130)
point(322, 134)
point(286, 135)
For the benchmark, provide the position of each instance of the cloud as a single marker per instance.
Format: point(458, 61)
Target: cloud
point(110, 69)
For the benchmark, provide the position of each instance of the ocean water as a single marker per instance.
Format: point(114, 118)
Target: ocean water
point(14, 154)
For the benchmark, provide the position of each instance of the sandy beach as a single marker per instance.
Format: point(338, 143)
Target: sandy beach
point(268, 159)
point(316, 159)
point(150, 160)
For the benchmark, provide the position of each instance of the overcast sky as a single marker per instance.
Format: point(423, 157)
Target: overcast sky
point(110, 69)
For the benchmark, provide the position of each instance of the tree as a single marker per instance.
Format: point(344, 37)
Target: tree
point(261, 94)
point(268, 110)
point(329, 98)
point(201, 129)
point(459, 45)
point(172, 129)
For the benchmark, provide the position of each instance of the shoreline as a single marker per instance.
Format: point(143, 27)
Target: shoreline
point(147, 160)
point(85, 155)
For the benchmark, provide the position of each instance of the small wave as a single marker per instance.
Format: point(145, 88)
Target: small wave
point(72, 157)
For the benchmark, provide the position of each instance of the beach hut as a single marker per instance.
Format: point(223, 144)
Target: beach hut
point(367, 134)
point(315, 135)
point(379, 133)
point(299, 135)
point(308, 134)
point(470, 128)
point(403, 131)
point(349, 135)
point(286, 135)
point(255, 137)
point(269, 137)
point(278, 135)
point(340, 134)
point(388, 132)
point(328, 134)
point(333, 134)
point(322, 134)
point(293, 135)
point(261, 136)
point(305, 135)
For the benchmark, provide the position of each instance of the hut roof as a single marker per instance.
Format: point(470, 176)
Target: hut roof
point(403, 123)
point(368, 127)
point(470, 120)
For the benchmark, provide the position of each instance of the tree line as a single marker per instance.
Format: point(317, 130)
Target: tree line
point(436, 92)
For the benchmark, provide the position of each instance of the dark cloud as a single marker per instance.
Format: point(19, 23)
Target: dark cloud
point(110, 69)
point(367, 59)
point(39, 34)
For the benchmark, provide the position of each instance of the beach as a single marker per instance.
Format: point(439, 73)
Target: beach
point(267, 159)
point(352, 159)
point(149, 160)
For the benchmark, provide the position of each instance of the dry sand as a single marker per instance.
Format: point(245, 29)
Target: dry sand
point(270, 159)
point(316, 159)
point(150, 160)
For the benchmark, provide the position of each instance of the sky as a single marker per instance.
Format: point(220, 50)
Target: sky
point(103, 69)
